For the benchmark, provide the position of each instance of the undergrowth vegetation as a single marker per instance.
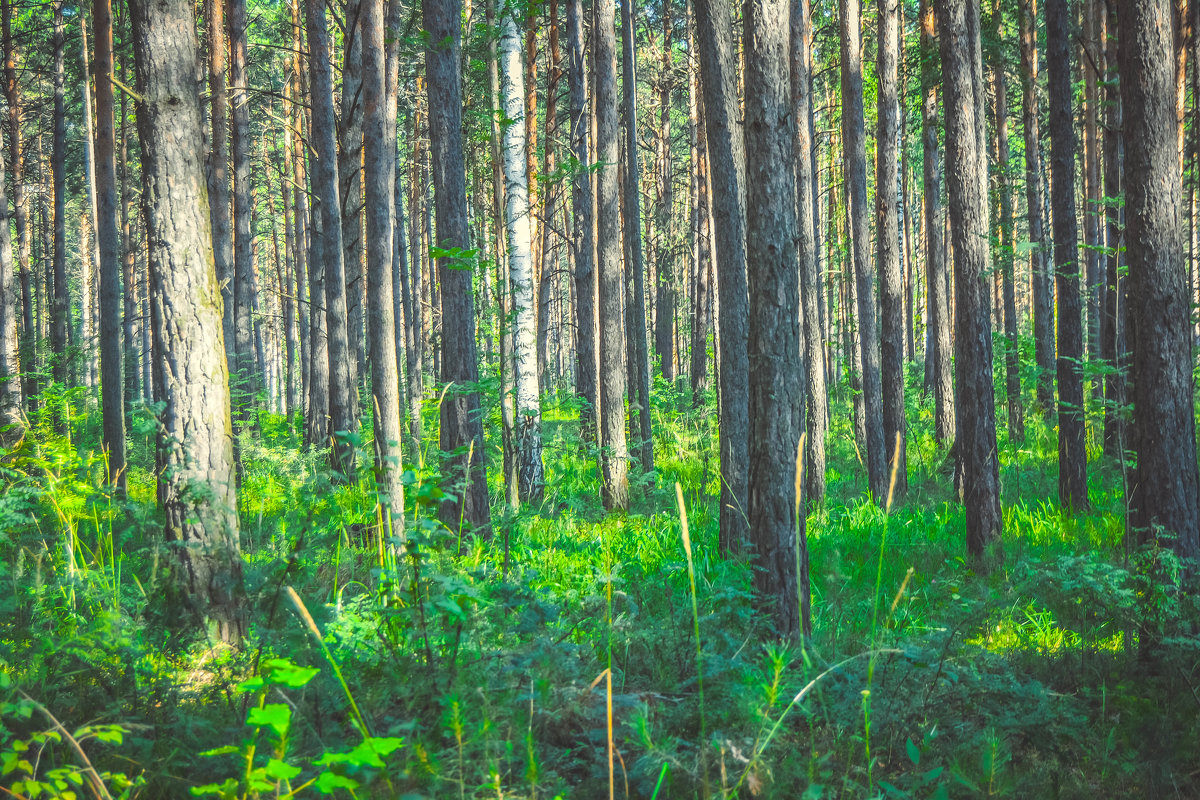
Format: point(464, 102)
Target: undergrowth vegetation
point(560, 657)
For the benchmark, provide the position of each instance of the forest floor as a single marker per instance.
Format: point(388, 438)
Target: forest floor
point(1071, 671)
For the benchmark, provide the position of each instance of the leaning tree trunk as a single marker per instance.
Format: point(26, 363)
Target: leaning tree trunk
point(967, 199)
point(936, 280)
point(530, 472)
point(807, 250)
point(779, 550)
point(855, 154)
point(1164, 487)
point(614, 450)
point(342, 392)
point(462, 428)
point(1072, 449)
point(887, 244)
point(1041, 284)
point(108, 236)
point(379, 179)
point(196, 480)
point(727, 165)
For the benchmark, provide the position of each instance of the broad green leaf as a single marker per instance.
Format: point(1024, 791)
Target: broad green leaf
point(277, 716)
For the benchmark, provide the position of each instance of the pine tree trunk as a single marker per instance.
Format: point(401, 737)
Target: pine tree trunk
point(528, 451)
point(350, 179)
point(887, 238)
point(726, 159)
point(1114, 295)
point(60, 308)
point(855, 159)
point(581, 205)
point(958, 27)
point(10, 364)
point(196, 483)
point(776, 402)
point(28, 330)
point(1072, 451)
point(546, 278)
point(108, 236)
point(244, 368)
point(614, 452)
point(461, 428)
point(807, 249)
point(1041, 283)
point(1164, 486)
point(664, 327)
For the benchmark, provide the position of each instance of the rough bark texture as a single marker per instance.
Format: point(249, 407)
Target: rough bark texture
point(635, 311)
point(967, 201)
point(1012, 364)
point(936, 278)
point(887, 247)
point(664, 322)
point(12, 94)
point(462, 428)
point(1164, 489)
point(776, 374)
point(10, 365)
point(807, 250)
point(244, 367)
point(60, 308)
point(855, 161)
point(379, 154)
point(218, 168)
point(581, 205)
point(1072, 450)
point(1114, 294)
point(1091, 60)
point(530, 472)
point(342, 393)
point(727, 165)
point(1035, 202)
point(196, 481)
point(350, 177)
point(108, 236)
point(614, 450)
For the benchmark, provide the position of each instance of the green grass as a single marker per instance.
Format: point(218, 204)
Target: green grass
point(1031, 681)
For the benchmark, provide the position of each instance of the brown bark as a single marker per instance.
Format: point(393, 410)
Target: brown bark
point(1114, 353)
point(581, 204)
point(243, 368)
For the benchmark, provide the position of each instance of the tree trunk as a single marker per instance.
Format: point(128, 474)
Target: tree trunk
point(12, 92)
point(635, 312)
point(664, 328)
point(60, 309)
point(528, 451)
point(342, 394)
point(1164, 486)
point(196, 483)
point(1041, 284)
point(1072, 451)
point(726, 160)
point(887, 239)
point(379, 159)
point(614, 452)
point(10, 364)
point(547, 253)
point(967, 200)
point(245, 387)
point(776, 402)
point(108, 236)
point(1012, 363)
point(1114, 295)
point(855, 156)
point(218, 170)
point(1091, 60)
point(461, 428)
point(350, 180)
point(581, 203)
point(807, 249)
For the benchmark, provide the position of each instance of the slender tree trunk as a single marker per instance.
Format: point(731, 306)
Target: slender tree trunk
point(614, 452)
point(10, 364)
point(1041, 284)
point(959, 33)
point(1091, 61)
point(530, 473)
point(12, 92)
point(60, 310)
point(350, 179)
point(108, 236)
point(196, 483)
point(776, 406)
point(702, 278)
point(1114, 294)
point(246, 379)
point(547, 253)
point(89, 245)
point(891, 273)
point(342, 392)
point(1072, 451)
point(220, 202)
point(639, 369)
point(855, 155)
point(664, 328)
point(1006, 249)
point(581, 202)
point(807, 249)
point(726, 160)
point(461, 428)
point(1164, 487)
point(379, 158)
